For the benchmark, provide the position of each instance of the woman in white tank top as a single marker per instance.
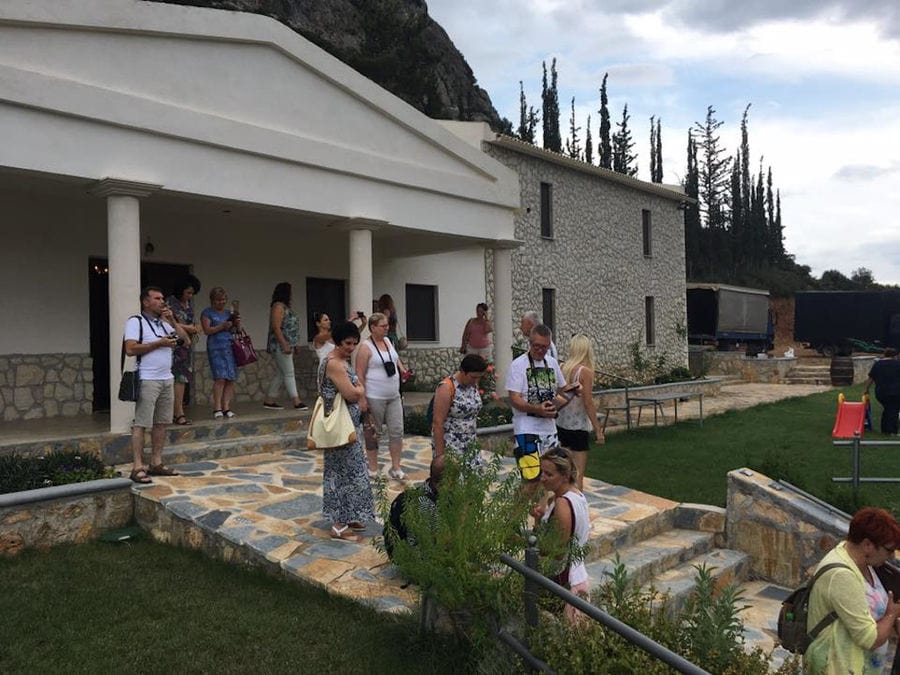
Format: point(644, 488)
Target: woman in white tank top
point(569, 512)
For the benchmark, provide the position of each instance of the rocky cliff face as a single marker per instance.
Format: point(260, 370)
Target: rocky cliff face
point(393, 42)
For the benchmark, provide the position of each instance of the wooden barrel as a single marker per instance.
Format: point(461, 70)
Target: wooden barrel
point(841, 371)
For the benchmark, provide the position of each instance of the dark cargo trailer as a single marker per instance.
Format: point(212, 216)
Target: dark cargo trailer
point(728, 317)
point(834, 322)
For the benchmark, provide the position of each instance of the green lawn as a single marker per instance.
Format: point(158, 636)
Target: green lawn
point(788, 439)
point(146, 607)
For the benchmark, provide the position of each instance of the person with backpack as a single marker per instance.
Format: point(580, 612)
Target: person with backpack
point(424, 498)
point(857, 613)
point(455, 407)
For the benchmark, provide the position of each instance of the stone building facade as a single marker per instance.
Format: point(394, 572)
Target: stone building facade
point(610, 262)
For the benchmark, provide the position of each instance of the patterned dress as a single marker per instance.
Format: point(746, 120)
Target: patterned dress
point(346, 492)
point(183, 356)
point(459, 427)
point(218, 347)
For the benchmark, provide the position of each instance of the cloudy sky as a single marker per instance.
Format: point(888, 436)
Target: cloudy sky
point(822, 78)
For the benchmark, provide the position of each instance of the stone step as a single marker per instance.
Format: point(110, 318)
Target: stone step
point(612, 529)
point(116, 448)
point(795, 379)
point(679, 583)
point(760, 619)
point(645, 559)
point(218, 448)
point(806, 370)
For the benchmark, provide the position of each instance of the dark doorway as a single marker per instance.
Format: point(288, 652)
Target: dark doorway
point(325, 296)
point(164, 275)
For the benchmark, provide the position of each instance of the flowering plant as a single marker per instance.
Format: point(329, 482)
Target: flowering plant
point(488, 385)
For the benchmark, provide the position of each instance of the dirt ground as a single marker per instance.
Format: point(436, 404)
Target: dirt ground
point(783, 315)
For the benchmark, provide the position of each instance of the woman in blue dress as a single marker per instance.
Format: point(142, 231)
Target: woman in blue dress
point(346, 491)
point(217, 323)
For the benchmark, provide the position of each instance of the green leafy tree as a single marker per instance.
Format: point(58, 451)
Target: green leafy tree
point(624, 161)
point(605, 146)
point(863, 278)
point(550, 98)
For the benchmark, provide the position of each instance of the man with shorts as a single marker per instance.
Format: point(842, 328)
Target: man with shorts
point(535, 384)
point(152, 336)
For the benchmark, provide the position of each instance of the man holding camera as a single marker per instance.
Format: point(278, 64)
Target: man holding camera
point(152, 336)
point(537, 391)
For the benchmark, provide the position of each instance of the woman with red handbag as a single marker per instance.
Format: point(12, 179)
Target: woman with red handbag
point(217, 323)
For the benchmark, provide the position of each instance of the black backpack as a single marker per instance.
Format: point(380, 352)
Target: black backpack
point(792, 617)
point(394, 528)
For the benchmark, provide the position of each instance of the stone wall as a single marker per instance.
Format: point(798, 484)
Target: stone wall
point(785, 533)
point(431, 365)
point(45, 385)
point(64, 514)
point(595, 260)
point(768, 370)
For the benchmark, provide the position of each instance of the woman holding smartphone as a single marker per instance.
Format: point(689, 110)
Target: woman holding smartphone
point(577, 419)
point(217, 323)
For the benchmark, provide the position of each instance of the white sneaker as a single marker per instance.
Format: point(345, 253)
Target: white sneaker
point(396, 474)
point(218, 414)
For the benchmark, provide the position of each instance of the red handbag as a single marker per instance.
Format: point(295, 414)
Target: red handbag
point(242, 347)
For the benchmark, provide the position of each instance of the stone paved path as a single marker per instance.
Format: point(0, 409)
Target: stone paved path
point(269, 506)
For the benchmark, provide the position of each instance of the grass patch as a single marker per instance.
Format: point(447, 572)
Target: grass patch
point(146, 607)
point(788, 439)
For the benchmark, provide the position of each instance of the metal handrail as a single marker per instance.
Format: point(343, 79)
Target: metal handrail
point(856, 443)
point(533, 579)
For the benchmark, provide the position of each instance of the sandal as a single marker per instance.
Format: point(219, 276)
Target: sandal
point(162, 470)
point(140, 475)
point(356, 527)
point(218, 414)
point(181, 420)
point(228, 414)
point(345, 534)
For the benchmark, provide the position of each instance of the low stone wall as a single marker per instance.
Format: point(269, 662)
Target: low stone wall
point(45, 385)
point(861, 367)
point(768, 371)
point(64, 514)
point(785, 533)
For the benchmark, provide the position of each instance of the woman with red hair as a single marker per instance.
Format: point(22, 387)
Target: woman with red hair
point(855, 640)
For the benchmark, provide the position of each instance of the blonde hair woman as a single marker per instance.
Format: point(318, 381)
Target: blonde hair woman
point(578, 418)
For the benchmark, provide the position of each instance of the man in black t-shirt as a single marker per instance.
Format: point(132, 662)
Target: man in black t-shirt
point(885, 374)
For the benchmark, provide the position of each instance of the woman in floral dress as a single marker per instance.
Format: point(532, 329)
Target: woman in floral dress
point(456, 407)
point(346, 492)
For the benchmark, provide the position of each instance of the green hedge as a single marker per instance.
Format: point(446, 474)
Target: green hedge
point(19, 472)
point(490, 416)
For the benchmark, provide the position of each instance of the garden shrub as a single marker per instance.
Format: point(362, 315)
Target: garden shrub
point(20, 472)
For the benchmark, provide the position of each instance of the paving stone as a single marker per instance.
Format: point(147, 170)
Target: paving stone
point(214, 519)
point(240, 488)
point(185, 509)
point(303, 505)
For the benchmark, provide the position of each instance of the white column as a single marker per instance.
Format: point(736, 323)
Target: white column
point(360, 270)
point(503, 319)
point(123, 224)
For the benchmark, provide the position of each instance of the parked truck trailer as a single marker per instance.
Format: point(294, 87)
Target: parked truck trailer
point(729, 317)
point(836, 322)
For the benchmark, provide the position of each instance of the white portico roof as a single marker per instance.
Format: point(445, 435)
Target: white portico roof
point(231, 106)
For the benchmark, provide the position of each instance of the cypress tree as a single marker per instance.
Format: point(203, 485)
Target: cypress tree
point(573, 143)
point(522, 131)
point(714, 172)
point(694, 262)
point(605, 147)
point(652, 148)
point(659, 162)
point(736, 240)
point(588, 143)
point(623, 159)
point(550, 99)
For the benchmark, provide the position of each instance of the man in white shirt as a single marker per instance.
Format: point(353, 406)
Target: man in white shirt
point(535, 384)
point(151, 337)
